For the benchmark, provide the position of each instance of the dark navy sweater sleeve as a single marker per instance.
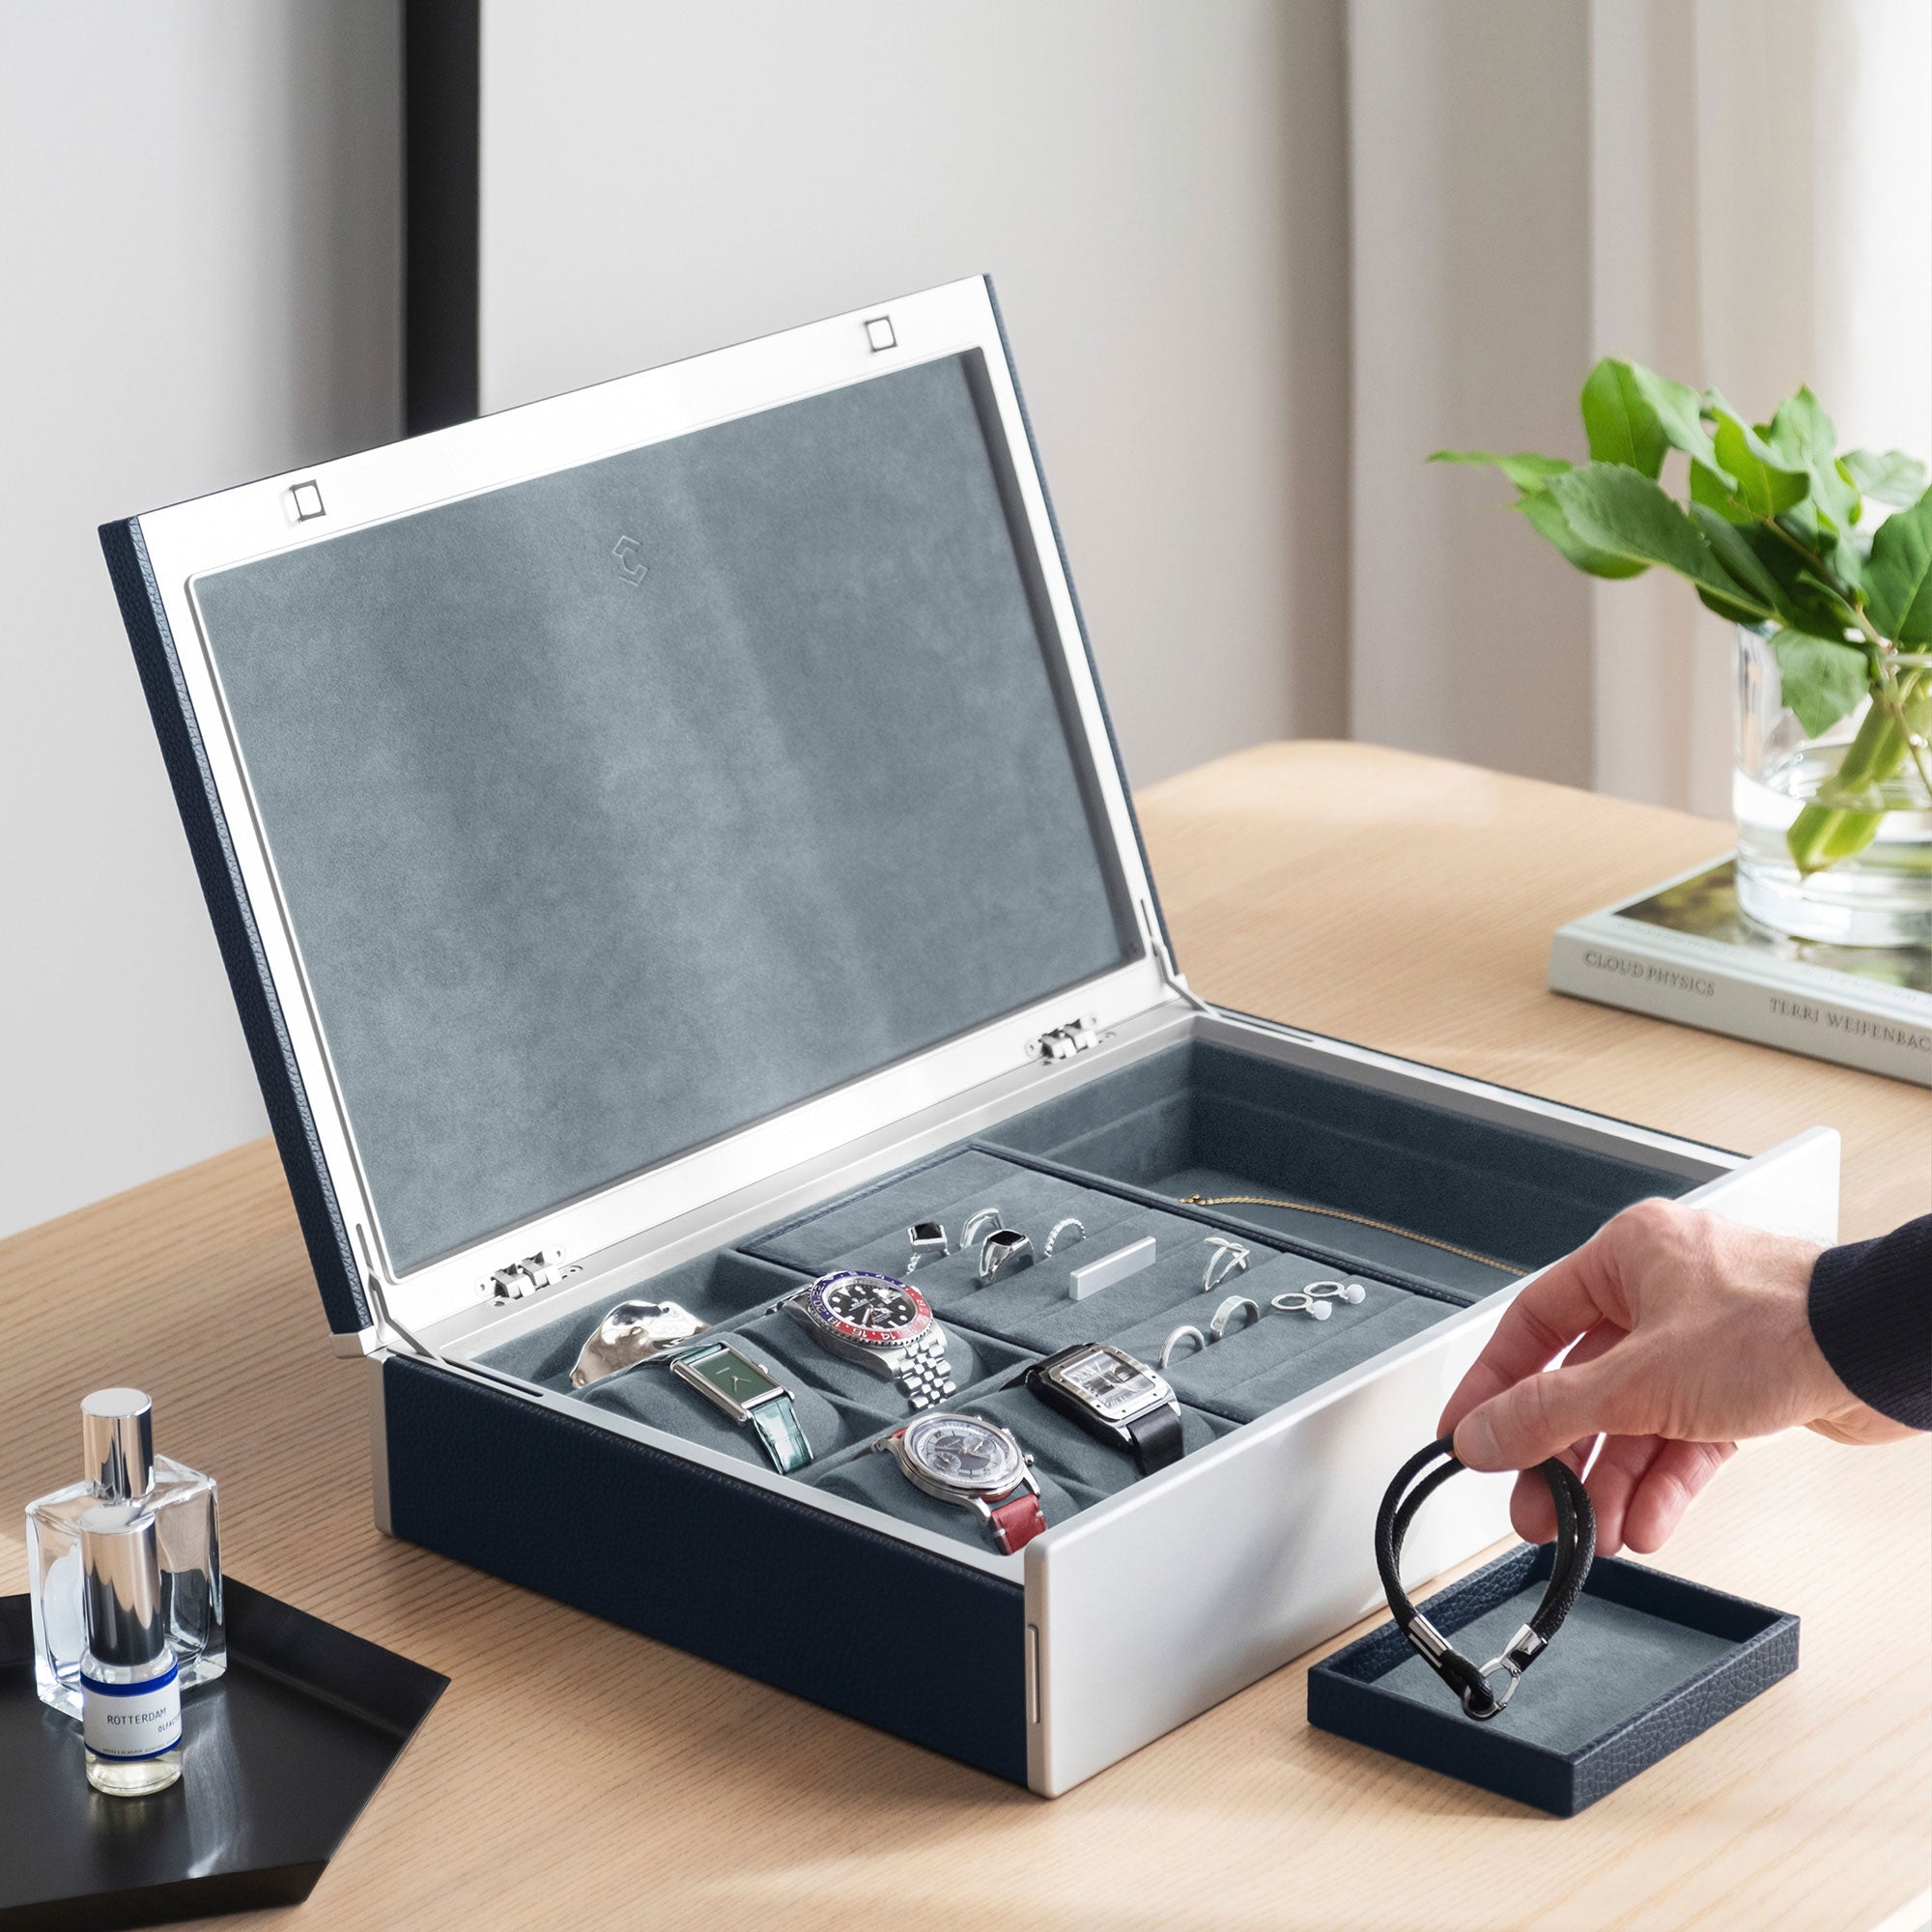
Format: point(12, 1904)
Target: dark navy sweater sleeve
point(1871, 1311)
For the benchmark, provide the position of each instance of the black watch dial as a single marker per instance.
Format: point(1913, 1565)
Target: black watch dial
point(876, 1309)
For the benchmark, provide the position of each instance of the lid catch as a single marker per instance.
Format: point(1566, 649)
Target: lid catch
point(1066, 1041)
point(525, 1277)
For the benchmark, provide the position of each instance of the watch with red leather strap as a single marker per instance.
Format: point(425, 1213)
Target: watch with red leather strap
point(974, 1464)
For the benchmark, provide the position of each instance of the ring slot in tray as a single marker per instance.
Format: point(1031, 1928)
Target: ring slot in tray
point(1259, 1365)
point(280, 1755)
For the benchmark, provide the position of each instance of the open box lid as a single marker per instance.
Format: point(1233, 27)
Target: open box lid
point(609, 801)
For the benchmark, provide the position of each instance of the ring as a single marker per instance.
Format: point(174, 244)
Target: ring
point(988, 1217)
point(1005, 1250)
point(1298, 1301)
point(1227, 1310)
point(1186, 1332)
point(927, 1240)
point(1228, 1260)
point(1059, 1227)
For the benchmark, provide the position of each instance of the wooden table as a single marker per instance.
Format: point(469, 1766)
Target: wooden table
point(576, 1774)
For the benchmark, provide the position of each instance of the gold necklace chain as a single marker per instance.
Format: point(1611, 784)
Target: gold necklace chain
point(1342, 1215)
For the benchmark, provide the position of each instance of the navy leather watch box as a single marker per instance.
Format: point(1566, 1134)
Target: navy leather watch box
point(666, 843)
point(1643, 1663)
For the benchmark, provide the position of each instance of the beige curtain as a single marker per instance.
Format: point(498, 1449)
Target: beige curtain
point(1735, 191)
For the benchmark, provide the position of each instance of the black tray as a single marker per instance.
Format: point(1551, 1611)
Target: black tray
point(1643, 1663)
point(282, 1754)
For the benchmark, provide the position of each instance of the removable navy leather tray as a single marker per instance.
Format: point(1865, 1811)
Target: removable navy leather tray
point(281, 1754)
point(1643, 1663)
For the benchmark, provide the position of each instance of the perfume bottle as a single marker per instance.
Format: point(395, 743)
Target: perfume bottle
point(129, 1688)
point(116, 1430)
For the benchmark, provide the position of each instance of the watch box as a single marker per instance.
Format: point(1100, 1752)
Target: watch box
point(667, 841)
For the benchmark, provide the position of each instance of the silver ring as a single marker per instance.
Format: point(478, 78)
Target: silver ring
point(1186, 1332)
point(1059, 1227)
point(928, 1241)
point(990, 1217)
point(1228, 1260)
point(1227, 1310)
point(1005, 1250)
point(1299, 1302)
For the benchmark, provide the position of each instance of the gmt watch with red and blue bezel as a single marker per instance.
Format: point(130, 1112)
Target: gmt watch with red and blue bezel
point(882, 1323)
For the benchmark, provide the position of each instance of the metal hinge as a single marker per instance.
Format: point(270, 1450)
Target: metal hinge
point(1066, 1041)
point(526, 1276)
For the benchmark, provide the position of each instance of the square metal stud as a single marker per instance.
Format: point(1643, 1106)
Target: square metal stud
point(307, 499)
point(879, 333)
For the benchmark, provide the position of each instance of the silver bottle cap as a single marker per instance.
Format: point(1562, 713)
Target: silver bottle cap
point(117, 1435)
point(121, 1584)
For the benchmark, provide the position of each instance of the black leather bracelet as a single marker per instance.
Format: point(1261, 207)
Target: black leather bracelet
point(1575, 1548)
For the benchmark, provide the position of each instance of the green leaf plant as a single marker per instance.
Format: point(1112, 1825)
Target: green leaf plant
point(1769, 534)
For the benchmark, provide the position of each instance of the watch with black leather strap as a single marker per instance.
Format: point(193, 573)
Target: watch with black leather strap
point(1116, 1399)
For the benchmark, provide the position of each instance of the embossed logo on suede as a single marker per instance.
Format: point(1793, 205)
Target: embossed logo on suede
point(629, 566)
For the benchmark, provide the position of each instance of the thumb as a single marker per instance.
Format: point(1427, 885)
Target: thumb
point(1542, 1415)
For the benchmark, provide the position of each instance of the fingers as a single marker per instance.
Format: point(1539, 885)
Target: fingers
point(1545, 1414)
point(1619, 1473)
point(1532, 1512)
point(1566, 1300)
point(1674, 1477)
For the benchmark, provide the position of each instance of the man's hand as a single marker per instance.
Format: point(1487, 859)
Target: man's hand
point(1684, 1332)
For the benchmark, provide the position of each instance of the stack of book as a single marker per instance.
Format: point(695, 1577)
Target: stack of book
point(1684, 951)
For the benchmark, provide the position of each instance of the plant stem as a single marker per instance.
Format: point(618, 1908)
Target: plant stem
point(1823, 834)
point(1885, 674)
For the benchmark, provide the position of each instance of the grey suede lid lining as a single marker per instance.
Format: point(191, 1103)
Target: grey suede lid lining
point(588, 867)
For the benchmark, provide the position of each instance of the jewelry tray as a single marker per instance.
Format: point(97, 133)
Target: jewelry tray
point(280, 1754)
point(1644, 1663)
point(676, 828)
point(1166, 1128)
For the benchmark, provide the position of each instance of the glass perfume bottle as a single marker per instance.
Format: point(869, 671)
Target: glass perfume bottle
point(117, 1428)
point(129, 1685)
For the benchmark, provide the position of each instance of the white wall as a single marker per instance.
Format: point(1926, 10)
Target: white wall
point(199, 242)
point(199, 232)
point(1157, 188)
point(1738, 192)
point(1470, 143)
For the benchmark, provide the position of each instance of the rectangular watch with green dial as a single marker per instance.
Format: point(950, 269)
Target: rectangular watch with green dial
point(746, 1393)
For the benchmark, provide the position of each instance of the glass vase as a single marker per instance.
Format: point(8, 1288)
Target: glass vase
point(1835, 832)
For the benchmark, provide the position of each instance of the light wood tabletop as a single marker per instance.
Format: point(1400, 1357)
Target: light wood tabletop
point(575, 1773)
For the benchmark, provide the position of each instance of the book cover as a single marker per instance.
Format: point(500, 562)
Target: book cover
point(1684, 951)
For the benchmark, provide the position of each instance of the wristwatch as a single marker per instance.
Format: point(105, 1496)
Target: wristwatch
point(976, 1464)
point(746, 1393)
point(1120, 1401)
point(884, 1324)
